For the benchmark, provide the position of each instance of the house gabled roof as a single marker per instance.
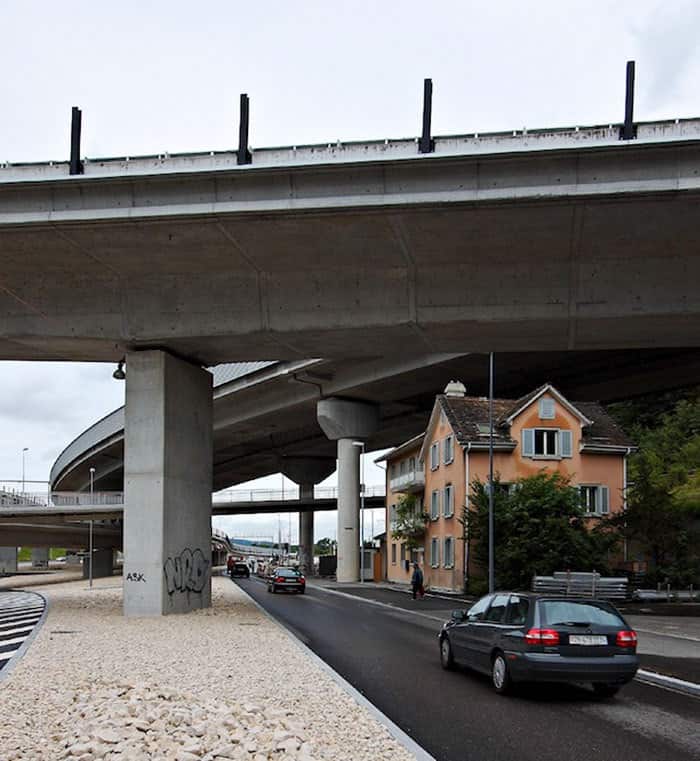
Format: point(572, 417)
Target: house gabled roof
point(528, 399)
point(407, 446)
point(468, 417)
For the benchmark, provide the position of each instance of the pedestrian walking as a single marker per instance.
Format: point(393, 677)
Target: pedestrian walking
point(417, 581)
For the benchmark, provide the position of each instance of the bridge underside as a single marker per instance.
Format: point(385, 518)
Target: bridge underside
point(255, 428)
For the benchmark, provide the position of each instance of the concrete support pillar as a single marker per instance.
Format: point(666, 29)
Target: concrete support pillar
point(348, 422)
point(348, 511)
point(102, 564)
point(167, 485)
point(306, 539)
point(8, 560)
point(40, 557)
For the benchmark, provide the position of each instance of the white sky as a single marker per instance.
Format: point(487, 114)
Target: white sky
point(166, 76)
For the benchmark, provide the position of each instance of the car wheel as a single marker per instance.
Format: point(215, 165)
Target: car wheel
point(274, 589)
point(301, 591)
point(603, 690)
point(269, 588)
point(500, 675)
point(447, 660)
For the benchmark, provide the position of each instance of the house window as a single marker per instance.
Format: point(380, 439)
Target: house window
point(449, 552)
point(403, 552)
point(546, 408)
point(434, 455)
point(595, 499)
point(393, 517)
point(448, 501)
point(435, 505)
point(546, 442)
point(393, 470)
point(402, 467)
point(412, 464)
point(393, 554)
point(448, 450)
point(435, 552)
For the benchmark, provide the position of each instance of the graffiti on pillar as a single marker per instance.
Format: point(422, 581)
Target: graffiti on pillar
point(135, 577)
point(187, 572)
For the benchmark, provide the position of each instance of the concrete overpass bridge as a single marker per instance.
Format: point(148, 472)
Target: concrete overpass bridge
point(552, 240)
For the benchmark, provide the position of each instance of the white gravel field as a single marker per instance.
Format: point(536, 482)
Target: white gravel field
point(223, 683)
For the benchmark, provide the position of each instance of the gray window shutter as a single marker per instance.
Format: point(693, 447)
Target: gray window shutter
point(566, 443)
point(528, 442)
point(604, 501)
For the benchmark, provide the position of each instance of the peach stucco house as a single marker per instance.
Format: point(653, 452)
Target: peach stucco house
point(541, 430)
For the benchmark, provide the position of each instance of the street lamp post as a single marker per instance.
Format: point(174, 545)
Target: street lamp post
point(361, 444)
point(491, 518)
point(24, 451)
point(92, 495)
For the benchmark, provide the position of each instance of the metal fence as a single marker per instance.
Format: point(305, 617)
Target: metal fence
point(580, 584)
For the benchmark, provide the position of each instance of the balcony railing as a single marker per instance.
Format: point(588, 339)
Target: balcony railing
point(413, 480)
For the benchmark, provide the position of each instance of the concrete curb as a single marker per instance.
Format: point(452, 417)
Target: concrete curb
point(10, 665)
point(394, 730)
point(668, 682)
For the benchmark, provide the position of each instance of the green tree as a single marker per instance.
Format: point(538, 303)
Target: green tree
point(410, 522)
point(662, 520)
point(324, 546)
point(539, 528)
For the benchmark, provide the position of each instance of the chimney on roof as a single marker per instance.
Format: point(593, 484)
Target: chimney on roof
point(456, 389)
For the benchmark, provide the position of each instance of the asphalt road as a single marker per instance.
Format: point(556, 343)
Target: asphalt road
point(391, 656)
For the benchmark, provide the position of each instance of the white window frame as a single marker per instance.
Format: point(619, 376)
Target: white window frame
point(435, 455)
point(448, 559)
point(448, 450)
point(448, 501)
point(435, 504)
point(557, 447)
point(602, 499)
point(434, 552)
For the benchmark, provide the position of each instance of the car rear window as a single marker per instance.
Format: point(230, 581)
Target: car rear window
point(286, 572)
point(553, 612)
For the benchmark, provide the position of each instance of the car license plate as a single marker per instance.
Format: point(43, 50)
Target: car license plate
point(587, 639)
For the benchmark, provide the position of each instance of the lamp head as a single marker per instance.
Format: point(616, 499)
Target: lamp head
point(119, 373)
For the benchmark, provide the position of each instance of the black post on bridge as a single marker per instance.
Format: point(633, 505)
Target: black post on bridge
point(76, 165)
point(426, 143)
point(243, 155)
point(628, 131)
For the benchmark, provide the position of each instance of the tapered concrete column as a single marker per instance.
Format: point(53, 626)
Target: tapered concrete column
point(167, 485)
point(348, 511)
point(8, 560)
point(348, 422)
point(40, 557)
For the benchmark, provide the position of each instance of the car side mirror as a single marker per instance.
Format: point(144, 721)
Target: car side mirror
point(459, 615)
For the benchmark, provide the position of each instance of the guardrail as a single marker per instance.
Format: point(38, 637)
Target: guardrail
point(579, 584)
point(228, 496)
point(283, 495)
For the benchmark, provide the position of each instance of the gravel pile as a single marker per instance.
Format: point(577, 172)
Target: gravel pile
point(223, 683)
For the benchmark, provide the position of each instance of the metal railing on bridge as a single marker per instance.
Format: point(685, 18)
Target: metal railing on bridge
point(115, 498)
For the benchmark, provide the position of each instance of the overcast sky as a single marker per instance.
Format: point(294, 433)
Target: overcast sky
point(165, 76)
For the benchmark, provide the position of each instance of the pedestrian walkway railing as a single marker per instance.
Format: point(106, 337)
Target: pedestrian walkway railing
point(283, 495)
point(107, 498)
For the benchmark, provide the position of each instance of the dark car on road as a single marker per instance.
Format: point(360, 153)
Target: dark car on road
point(522, 637)
point(287, 579)
point(240, 569)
